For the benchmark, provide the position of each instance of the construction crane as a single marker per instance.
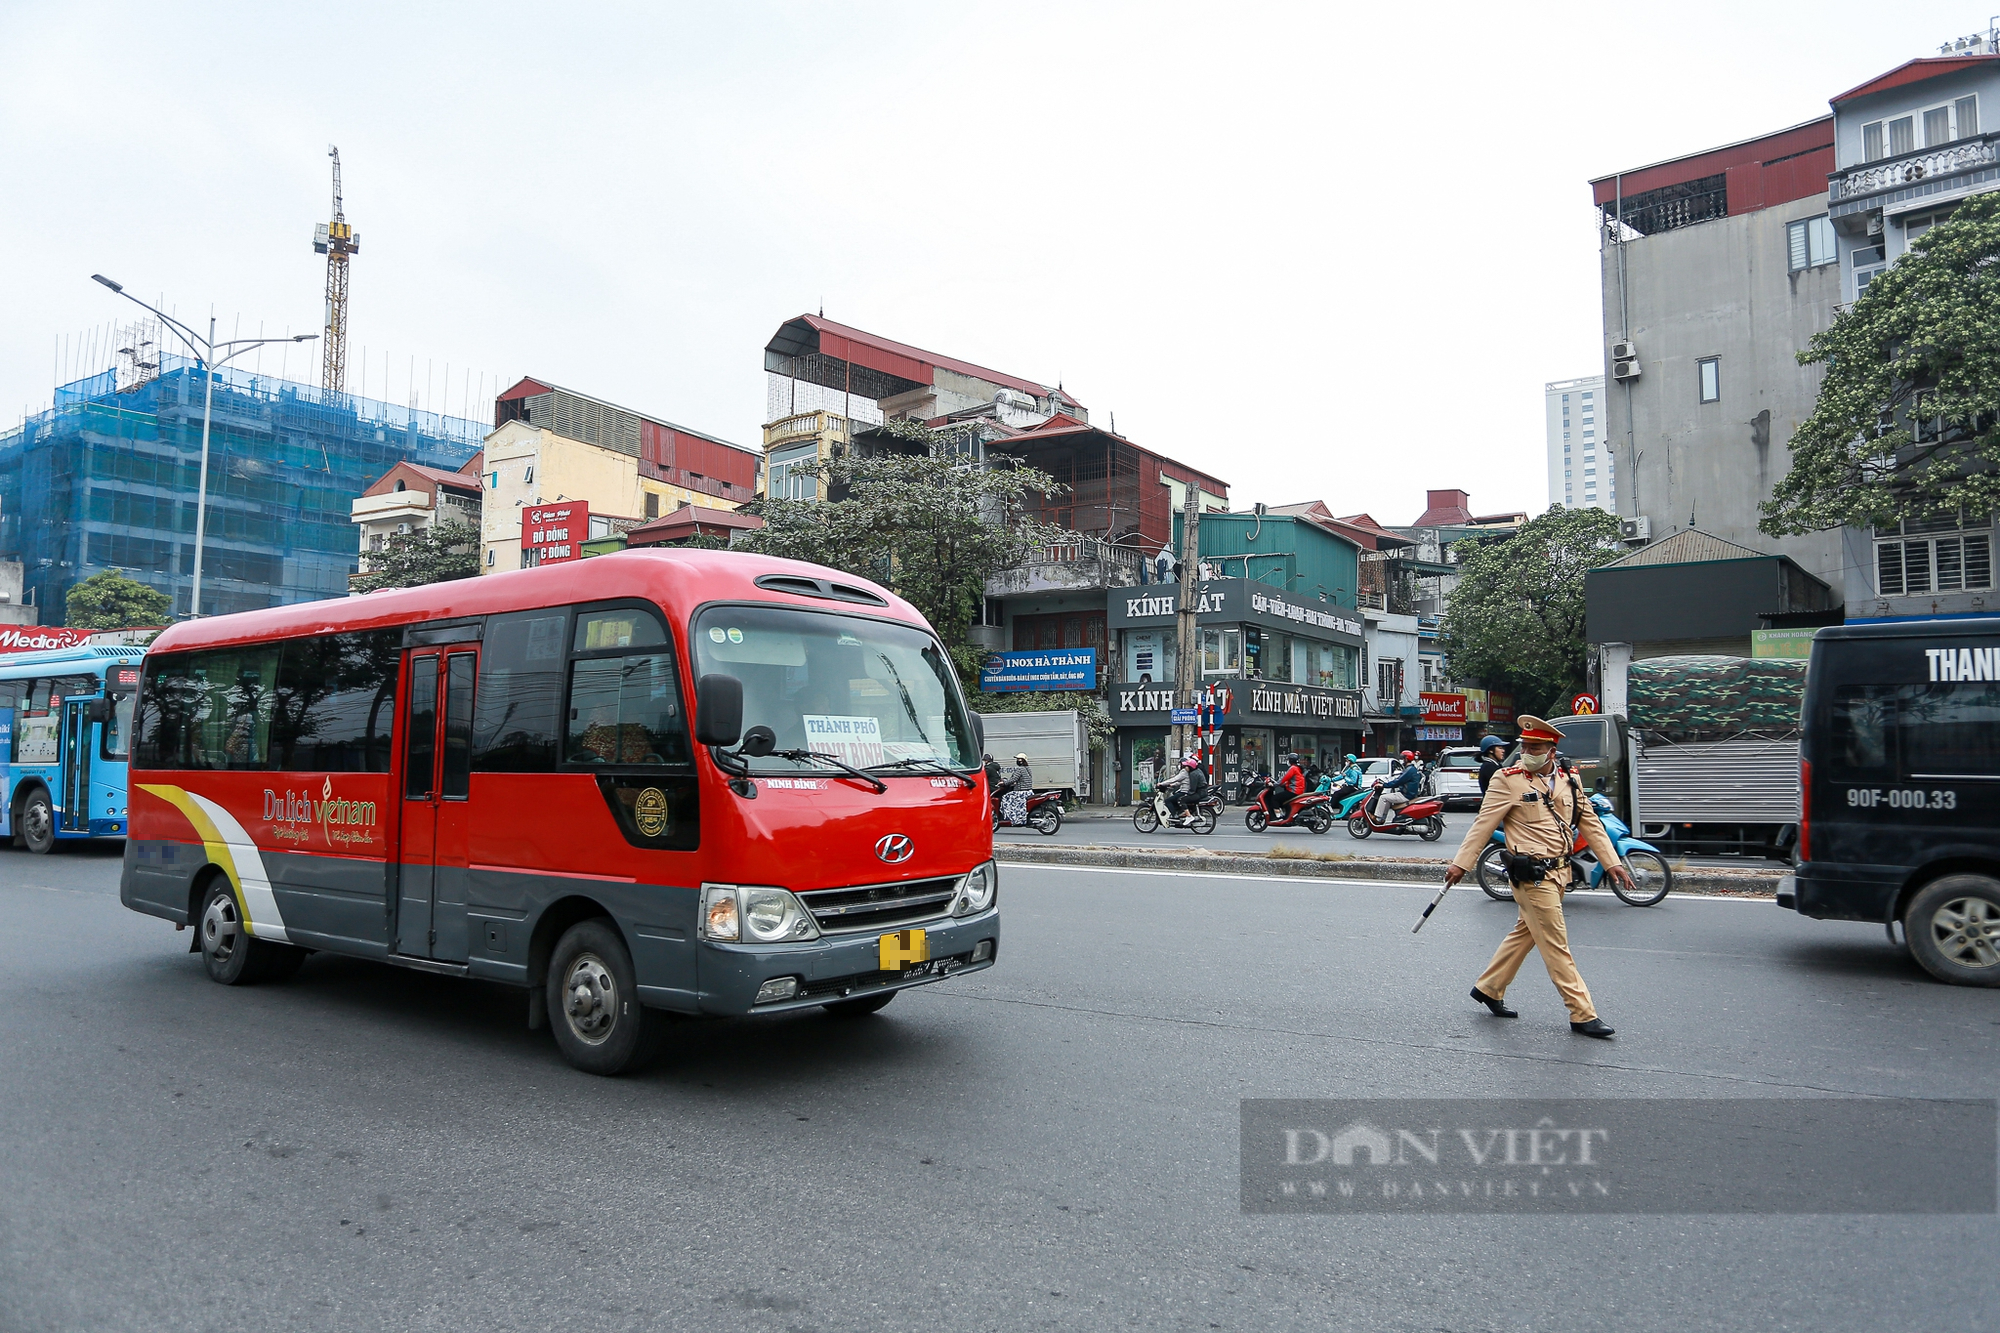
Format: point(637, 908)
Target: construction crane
point(336, 240)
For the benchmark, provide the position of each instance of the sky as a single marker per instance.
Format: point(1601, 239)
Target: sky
point(1323, 251)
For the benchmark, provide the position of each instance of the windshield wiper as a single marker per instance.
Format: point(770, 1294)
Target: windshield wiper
point(931, 766)
point(800, 756)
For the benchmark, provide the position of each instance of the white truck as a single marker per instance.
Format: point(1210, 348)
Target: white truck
point(1057, 745)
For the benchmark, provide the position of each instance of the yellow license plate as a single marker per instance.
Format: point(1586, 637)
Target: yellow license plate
point(902, 948)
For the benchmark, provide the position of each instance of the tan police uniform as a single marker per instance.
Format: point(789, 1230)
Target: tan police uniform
point(1531, 832)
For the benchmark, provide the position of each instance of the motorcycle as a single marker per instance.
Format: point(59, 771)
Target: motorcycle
point(1311, 810)
point(1155, 814)
point(1045, 813)
point(1652, 877)
point(1421, 817)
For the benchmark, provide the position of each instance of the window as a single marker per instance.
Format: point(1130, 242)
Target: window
point(624, 700)
point(1267, 654)
point(1902, 136)
point(1936, 730)
point(458, 689)
point(420, 733)
point(1937, 126)
point(1810, 243)
point(786, 482)
point(519, 697)
point(1388, 681)
point(652, 504)
point(1926, 556)
point(1709, 374)
point(1966, 111)
point(1221, 652)
point(1590, 393)
point(335, 701)
point(1871, 142)
point(207, 710)
point(1867, 263)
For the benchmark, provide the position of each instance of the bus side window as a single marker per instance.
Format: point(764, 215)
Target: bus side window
point(518, 706)
point(333, 702)
point(457, 726)
point(420, 733)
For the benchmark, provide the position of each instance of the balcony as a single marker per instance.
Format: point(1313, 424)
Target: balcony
point(803, 426)
point(1951, 169)
point(1081, 564)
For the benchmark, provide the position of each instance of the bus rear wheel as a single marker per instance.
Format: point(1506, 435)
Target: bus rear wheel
point(1953, 929)
point(38, 822)
point(593, 997)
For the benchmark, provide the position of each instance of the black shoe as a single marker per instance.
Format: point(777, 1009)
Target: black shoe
point(1499, 1007)
point(1596, 1027)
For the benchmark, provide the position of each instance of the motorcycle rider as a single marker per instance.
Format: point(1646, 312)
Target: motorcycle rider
point(1287, 788)
point(1492, 757)
point(993, 774)
point(1400, 790)
point(1015, 786)
point(1185, 789)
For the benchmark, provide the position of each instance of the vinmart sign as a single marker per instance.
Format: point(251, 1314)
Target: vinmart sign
point(555, 532)
point(1446, 709)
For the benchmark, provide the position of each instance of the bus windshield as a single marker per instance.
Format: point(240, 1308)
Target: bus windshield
point(868, 692)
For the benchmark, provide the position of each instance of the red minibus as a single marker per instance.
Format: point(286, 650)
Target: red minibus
point(656, 783)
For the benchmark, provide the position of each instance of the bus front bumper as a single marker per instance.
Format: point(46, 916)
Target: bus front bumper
point(840, 967)
point(1842, 893)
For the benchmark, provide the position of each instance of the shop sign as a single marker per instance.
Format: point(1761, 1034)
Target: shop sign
point(1499, 707)
point(555, 532)
point(1442, 708)
point(1144, 700)
point(1048, 669)
point(1126, 610)
point(1475, 705)
point(1781, 642)
point(33, 639)
point(1302, 703)
point(1440, 733)
point(1277, 607)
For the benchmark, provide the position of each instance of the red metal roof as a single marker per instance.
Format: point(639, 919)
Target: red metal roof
point(689, 518)
point(843, 343)
point(457, 481)
point(1765, 149)
point(527, 388)
point(1914, 71)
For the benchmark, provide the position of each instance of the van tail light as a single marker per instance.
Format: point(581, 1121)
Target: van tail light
point(1805, 812)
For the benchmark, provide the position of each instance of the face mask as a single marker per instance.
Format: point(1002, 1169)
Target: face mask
point(1535, 763)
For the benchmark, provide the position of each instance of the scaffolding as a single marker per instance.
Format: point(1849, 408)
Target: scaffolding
point(106, 478)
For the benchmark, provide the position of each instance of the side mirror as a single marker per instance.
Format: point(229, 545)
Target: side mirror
point(99, 711)
point(978, 734)
point(1600, 784)
point(759, 741)
point(718, 710)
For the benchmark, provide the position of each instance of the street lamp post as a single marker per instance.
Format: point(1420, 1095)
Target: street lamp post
point(200, 345)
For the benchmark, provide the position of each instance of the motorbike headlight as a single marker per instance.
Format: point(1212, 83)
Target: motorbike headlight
point(774, 915)
point(976, 891)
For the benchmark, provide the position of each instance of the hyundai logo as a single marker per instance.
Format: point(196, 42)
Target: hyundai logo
point(894, 848)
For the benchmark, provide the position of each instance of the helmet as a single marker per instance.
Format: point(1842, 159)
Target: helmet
point(1488, 742)
point(1020, 758)
point(1409, 755)
point(1351, 758)
point(1190, 762)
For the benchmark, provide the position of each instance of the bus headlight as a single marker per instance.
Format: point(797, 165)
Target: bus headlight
point(759, 915)
point(976, 890)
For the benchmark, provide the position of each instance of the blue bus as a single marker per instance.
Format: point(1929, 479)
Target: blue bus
point(65, 733)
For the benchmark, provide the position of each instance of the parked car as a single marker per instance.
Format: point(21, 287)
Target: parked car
point(1457, 776)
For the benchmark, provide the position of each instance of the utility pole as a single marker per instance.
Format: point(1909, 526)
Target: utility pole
point(1187, 645)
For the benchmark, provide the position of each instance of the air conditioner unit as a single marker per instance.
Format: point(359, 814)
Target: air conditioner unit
point(1625, 370)
point(1638, 529)
point(1624, 351)
point(1874, 224)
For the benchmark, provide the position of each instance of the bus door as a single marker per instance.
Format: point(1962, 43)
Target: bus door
point(75, 770)
point(437, 766)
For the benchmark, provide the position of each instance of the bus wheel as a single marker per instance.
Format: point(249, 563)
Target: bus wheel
point(1953, 929)
point(867, 1004)
point(227, 951)
point(38, 822)
point(594, 1004)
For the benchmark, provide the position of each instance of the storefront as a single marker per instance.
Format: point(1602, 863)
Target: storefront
point(1291, 670)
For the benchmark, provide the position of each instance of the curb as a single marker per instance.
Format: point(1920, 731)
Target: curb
point(1714, 883)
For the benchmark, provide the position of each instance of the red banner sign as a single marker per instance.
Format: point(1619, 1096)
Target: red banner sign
point(1499, 707)
point(555, 532)
point(34, 638)
point(1443, 709)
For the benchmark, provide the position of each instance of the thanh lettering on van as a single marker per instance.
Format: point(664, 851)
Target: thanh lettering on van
point(1964, 663)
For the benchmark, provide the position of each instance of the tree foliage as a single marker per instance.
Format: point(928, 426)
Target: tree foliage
point(929, 524)
point(437, 554)
point(1908, 417)
point(109, 600)
point(1516, 619)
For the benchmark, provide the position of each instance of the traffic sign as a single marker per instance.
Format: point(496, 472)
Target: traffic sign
point(1184, 717)
point(1583, 705)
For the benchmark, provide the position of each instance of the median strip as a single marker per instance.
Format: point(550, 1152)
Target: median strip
point(1705, 880)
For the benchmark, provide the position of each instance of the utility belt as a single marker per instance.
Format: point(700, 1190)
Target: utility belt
point(1524, 869)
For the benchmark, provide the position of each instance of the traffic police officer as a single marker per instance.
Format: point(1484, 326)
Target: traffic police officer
point(1537, 805)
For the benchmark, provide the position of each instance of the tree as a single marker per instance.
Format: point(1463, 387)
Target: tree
point(1907, 422)
point(109, 600)
point(1516, 620)
point(437, 554)
point(927, 523)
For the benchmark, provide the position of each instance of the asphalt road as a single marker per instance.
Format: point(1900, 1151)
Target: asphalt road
point(1050, 1144)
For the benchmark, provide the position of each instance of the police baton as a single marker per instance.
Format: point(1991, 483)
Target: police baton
point(1431, 908)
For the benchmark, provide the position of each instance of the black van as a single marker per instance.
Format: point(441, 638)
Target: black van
point(1900, 771)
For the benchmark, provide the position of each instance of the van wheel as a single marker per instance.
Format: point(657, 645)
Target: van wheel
point(1953, 929)
point(38, 822)
point(593, 997)
point(867, 1004)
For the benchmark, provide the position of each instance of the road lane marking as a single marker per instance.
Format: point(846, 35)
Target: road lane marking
point(1330, 879)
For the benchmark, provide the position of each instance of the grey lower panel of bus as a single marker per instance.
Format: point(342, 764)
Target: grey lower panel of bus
point(484, 917)
point(1718, 782)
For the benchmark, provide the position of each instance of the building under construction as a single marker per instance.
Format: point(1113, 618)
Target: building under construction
point(107, 478)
